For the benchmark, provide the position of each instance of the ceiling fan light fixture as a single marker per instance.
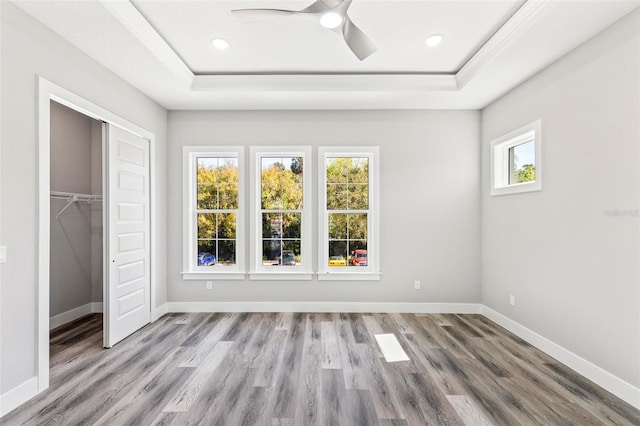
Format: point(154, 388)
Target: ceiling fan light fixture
point(434, 40)
point(331, 20)
point(219, 43)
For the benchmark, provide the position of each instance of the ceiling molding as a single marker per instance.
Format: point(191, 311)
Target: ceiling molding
point(142, 29)
point(125, 12)
point(511, 31)
point(326, 82)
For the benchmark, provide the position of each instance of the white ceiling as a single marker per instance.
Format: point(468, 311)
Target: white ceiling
point(163, 48)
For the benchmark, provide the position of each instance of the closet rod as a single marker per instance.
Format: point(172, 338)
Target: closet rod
point(73, 197)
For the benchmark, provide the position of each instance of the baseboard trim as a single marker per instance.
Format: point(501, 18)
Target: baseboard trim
point(159, 311)
point(74, 314)
point(599, 376)
point(19, 395)
point(435, 308)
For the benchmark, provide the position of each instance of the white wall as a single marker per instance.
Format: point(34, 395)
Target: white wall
point(28, 49)
point(574, 269)
point(429, 162)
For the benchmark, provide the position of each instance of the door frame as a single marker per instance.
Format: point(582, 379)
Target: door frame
point(48, 91)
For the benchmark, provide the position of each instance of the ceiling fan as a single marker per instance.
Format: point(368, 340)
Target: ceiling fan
point(330, 14)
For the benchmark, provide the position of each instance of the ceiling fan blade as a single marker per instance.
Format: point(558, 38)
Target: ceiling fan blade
point(253, 15)
point(357, 41)
point(320, 6)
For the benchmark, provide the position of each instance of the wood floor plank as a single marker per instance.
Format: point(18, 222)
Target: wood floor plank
point(403, 326)
point(188, 394)
point(330, 349)
point(156, 387)
point(334, 401)
point(309, 398)
point(201, 352)
point(468, 411)
point(359, 329)
point(352, 370)
point(288, 376)
point(384, 399)
point(267, 361)
point(284, 321)
point(360, 408)
point(269, 368)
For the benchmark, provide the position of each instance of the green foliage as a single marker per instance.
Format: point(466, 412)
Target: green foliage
point(217, 180)
point(526, 174)
point(281, 189)
point(347, 190)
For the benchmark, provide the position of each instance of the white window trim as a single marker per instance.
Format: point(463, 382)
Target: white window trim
point(500, 160)
point(190, 229)
point(372, 270)
point(298, 272)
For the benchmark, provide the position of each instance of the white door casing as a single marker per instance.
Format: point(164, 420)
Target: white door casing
point(128, 275)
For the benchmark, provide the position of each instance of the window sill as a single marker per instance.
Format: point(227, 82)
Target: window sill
point(280, 276)
point(219, 275)
point(517, 188)
point(349, 276)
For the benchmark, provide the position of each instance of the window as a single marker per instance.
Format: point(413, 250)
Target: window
point(348, 209)
point(516, 160)
point(213, 213)
point(281, 197)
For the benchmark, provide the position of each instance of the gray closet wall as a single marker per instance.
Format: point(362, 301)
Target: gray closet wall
point(76, 236)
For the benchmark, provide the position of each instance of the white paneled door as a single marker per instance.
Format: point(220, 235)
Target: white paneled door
point(128, 224)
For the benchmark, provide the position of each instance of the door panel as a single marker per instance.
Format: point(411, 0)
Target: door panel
point(128, 289)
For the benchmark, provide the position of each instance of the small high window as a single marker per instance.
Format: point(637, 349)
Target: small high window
point(516, 161)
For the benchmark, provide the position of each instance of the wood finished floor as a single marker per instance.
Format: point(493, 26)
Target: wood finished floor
point(311, 369)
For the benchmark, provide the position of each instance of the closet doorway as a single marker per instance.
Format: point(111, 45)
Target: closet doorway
point(95, 198)
point(76, 231)
point(89, 157)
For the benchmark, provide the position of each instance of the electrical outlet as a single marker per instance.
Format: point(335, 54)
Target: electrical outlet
point(512, 300)
point(3, 254)
point(416, 285)
point(209, 285)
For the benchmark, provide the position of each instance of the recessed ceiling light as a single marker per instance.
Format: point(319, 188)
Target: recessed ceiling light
point(331, 20)
point(220, 43)
point(434, 40)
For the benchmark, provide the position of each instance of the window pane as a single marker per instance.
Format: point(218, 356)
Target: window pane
point(228, 196)
point(336, 196)
point(206, 253)
point(272, 225)
point(292, 225)
point(522, 160)
point(359, 170)
point(226, 225)
point(291, 253)
point(357, 226)
point(271, 252)
point(207, 196)
point(217, 183)
point(281, 183)
point(338, 226)
point(337, 170)
point(338, 249)
point(206, 225)
point(358, 253)
point(358, 196)
point(226, 252)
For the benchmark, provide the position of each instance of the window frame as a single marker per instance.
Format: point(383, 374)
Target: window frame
point(372, 270)
point(258, 271)
point(190, 268)
point(501, 160)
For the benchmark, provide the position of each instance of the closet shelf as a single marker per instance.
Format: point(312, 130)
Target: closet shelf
point(73, 197)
